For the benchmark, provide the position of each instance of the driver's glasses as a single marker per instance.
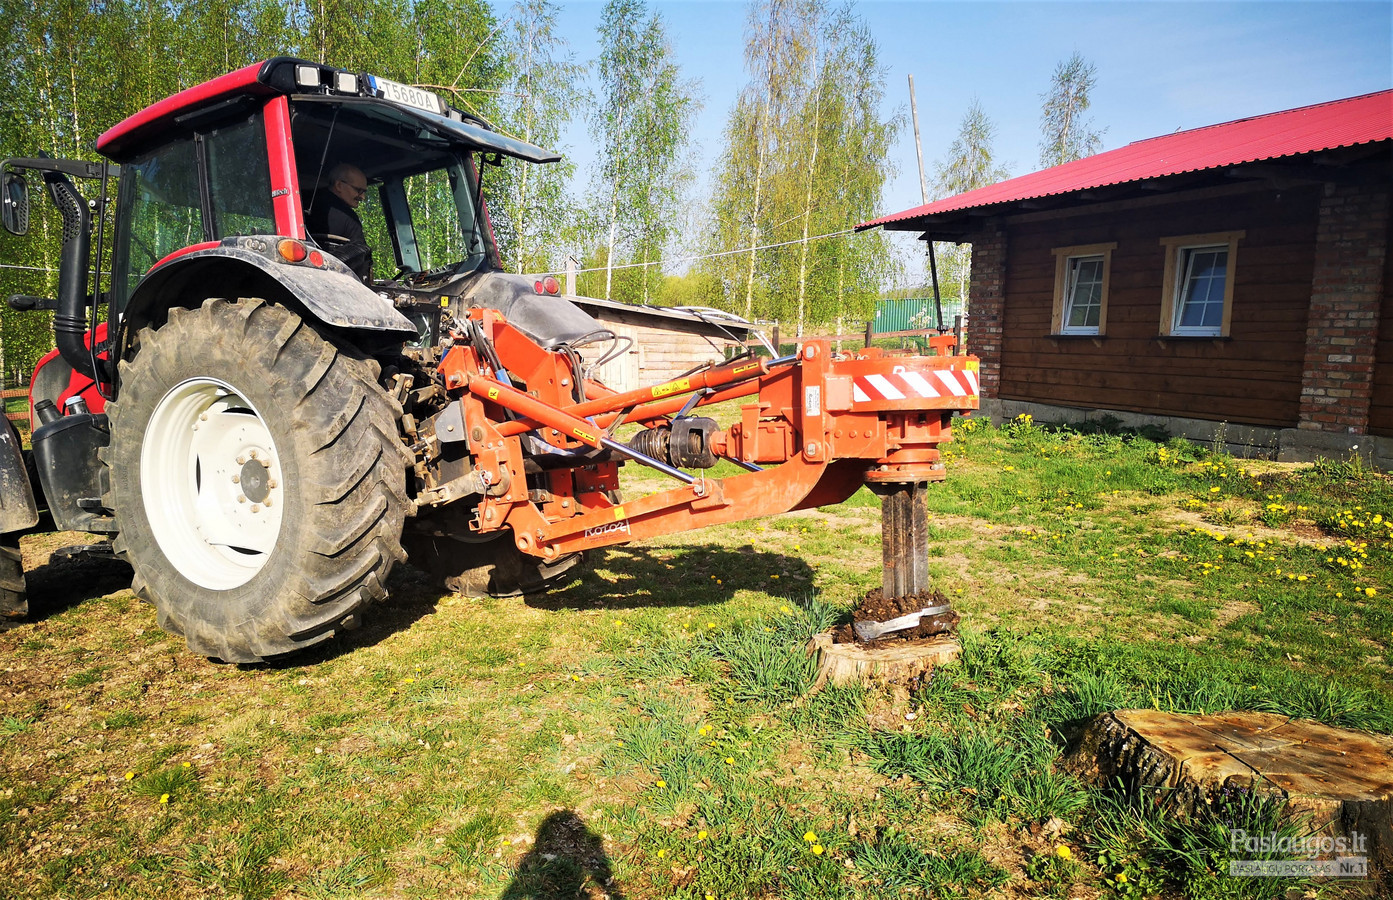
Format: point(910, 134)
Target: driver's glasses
point(359, 192)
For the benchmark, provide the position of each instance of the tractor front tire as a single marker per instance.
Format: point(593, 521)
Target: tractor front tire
point(257, 479)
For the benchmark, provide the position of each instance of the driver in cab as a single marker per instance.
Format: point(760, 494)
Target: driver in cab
point(334, 224)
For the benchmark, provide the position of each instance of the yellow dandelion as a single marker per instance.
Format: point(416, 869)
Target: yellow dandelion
point(164, 798)
point(1370, 592)
point(1062, 852)
point(187, 765)
point(817, 849)
point(810, 837)
point(1121, 878)
point(730, 760)
point(130, 775)
point(785, 609)
point(701, 835)
point(661, 783)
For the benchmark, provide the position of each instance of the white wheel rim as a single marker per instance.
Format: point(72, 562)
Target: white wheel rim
point(212, 484)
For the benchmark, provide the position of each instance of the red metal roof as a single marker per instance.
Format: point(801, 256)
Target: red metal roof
point(1308, 129)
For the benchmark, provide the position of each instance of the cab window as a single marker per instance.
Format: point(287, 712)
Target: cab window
point(239, 179)
point(163, 212)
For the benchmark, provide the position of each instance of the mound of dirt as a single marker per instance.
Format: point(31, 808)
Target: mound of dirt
point(876, 607)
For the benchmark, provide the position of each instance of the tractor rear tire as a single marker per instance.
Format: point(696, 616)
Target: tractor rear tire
point(257, 479)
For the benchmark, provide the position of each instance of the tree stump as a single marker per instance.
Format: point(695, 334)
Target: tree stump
point(1342, 779)
point(843, 664)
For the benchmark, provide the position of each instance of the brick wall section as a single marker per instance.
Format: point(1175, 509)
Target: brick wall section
point(987, 304)
point(1346, 290)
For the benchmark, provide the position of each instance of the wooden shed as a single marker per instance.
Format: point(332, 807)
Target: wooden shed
point(1230, 283)
point(662, 343)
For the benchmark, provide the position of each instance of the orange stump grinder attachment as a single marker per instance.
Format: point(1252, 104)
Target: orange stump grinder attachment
point(820, 425)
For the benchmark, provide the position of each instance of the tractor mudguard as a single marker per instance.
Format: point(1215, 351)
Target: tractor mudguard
point(18, 511)
point(251, 267)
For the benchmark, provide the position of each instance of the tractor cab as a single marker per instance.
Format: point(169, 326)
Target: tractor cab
point(250, 154)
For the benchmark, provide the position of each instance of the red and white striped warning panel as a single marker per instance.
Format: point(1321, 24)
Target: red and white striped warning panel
point(905, 383)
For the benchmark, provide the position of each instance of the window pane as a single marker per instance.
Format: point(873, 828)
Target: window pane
point(239, 179)
point(1201, 303)
point(165, 212)
point(1084, 299)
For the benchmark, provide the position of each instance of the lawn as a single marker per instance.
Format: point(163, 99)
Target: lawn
point(649, 731)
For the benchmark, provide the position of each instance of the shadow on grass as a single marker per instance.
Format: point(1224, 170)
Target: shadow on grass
point(566, 861)
point(411, 596)
point(65, 581)
point(682, 575)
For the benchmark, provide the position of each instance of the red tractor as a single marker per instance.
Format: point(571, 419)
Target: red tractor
point(263, 434)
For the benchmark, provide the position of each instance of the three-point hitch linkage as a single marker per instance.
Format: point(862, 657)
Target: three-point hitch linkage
point(822, 424)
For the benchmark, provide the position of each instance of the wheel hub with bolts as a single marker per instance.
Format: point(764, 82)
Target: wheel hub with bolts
point(213, 486)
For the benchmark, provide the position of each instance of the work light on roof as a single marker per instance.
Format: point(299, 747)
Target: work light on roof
point(345, 82)
point(307, 76)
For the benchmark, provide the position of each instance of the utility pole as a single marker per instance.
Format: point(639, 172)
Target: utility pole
point(924, 192)
point(918, 147)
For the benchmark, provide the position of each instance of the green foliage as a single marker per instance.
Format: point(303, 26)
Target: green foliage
point(896, 863)
point(1151, 848)
point(640, 126)
point(73, 70)
point(804, 161)
point(1065, 134)
point(530, 206)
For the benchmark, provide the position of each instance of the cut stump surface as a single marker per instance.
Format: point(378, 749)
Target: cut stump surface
point(1343, 779)
point(843, 664)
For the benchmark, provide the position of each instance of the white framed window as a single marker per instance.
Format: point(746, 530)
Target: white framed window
point(1081, 289)
point(1197, 293)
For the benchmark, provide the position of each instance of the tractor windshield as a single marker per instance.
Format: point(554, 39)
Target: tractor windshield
point(421, 212)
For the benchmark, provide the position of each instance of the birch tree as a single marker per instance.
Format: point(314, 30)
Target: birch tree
point(971, 164)
point(640, 124)
point(531, 206)
point(805, 161)
point(1065, 134)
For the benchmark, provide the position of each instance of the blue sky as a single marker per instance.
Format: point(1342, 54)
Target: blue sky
point(1161, 66)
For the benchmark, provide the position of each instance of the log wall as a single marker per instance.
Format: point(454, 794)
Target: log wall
point(1253, 376)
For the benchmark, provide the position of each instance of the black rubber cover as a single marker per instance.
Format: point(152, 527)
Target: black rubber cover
point(65, 453)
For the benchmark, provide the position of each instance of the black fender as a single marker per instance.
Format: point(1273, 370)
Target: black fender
point(251, 267)
point(18, 511)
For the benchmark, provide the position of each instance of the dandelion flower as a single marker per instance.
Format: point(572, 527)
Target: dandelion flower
point(662, 853)
point(810, 837)
point(730, 760)
point(661, 783)
point(817, 849)
point(164, 798)
point(1121, 878)
point(1370, 592)
point(784, 609)
point(187, 765)
point(701, 835)
point(1062, 852)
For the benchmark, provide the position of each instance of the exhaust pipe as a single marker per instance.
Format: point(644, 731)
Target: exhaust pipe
point(70, 319)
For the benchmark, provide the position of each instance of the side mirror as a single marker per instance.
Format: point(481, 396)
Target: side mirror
point(14, 204)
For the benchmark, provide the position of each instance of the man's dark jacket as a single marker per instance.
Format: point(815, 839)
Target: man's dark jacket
point(330, 216)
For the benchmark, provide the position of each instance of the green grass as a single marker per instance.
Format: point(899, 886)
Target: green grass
point(652, 731)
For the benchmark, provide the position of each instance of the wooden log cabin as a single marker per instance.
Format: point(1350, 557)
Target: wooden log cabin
point(1231, 284)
